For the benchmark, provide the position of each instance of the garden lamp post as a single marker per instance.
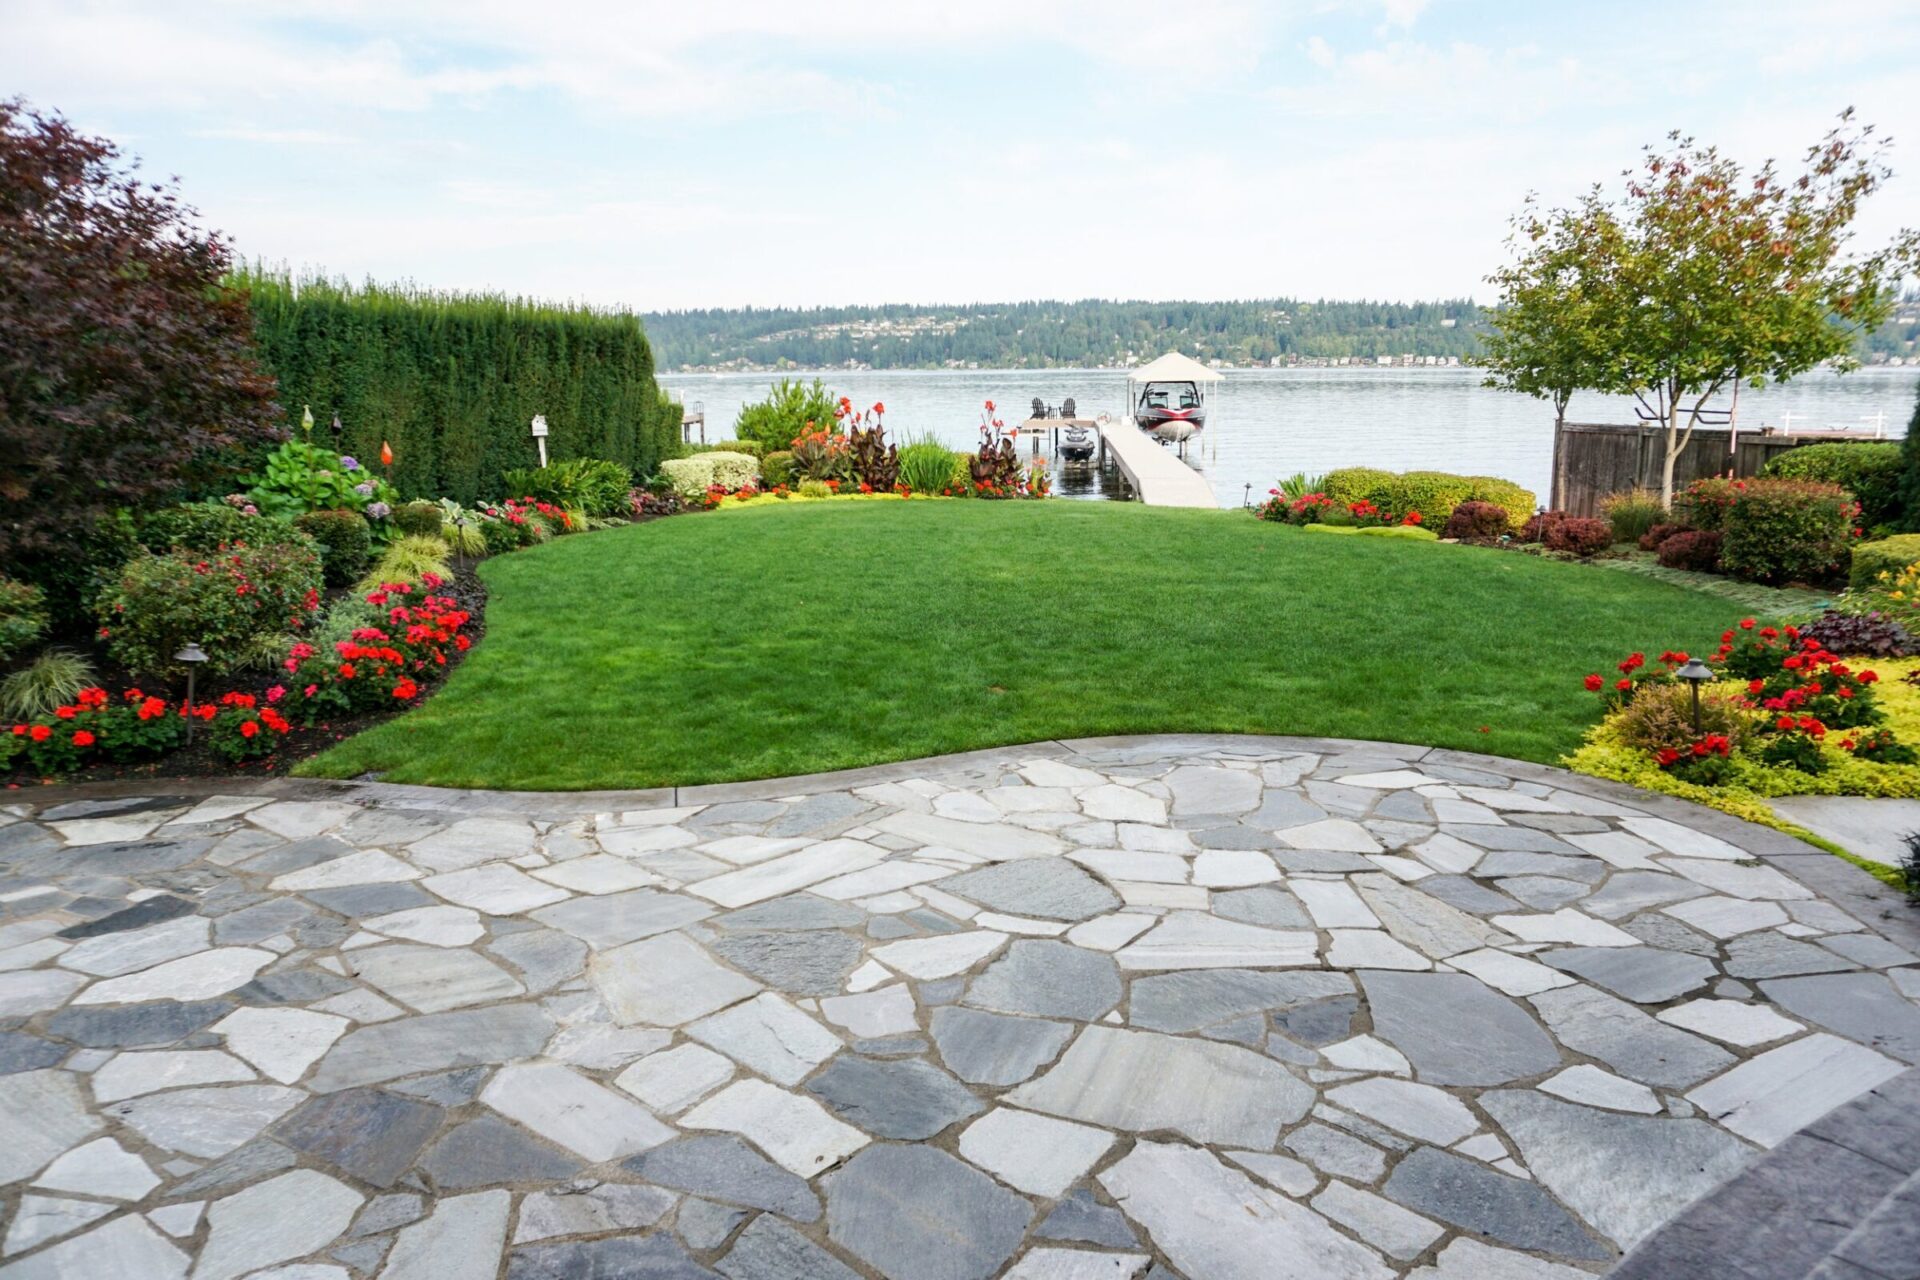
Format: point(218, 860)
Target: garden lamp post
point(460, 543)
point(193, 655)
point(1695, 673)
point(1246, 498)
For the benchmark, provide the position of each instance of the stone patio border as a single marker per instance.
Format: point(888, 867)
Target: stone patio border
point(1831, 877)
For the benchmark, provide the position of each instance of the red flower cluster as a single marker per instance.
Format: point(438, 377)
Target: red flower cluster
point(379, 664)
point(1713, 744)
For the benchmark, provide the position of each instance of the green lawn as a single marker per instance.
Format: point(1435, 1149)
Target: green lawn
point(784, 640)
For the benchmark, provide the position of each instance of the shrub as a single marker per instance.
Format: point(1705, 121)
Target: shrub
point(420, 519)
point(1434, 494)
point(382, 664)
point(301, 476)
point(206, 526)
point(410, 560)
point(1659, 533)
point(23, 616)
point(591, 485)
point(1787, 531)
point(223, 602)
point(1349, 485)
point(1582, 535)
point(776, 468)
point(1660, 716)
point(500, 536)
point(345, 541)
point(51, 680)
point(692, 477)
point(1890, 556)
point(1869, 470)
point(1703, 504)
point(1538, 525)
point(1633, 513)
point(752, 448)
point(815, 489)
point(1861, 635)
point(926, 466)
point(1695, 549)
point(789, 410)
point(1477, 522)
point(1520, 503)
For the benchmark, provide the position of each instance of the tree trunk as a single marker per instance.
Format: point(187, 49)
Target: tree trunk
point(1673, 452)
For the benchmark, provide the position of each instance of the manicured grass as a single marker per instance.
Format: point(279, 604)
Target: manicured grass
point(782, 640)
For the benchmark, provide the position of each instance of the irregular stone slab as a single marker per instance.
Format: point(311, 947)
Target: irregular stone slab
point(495, 889)
point(1204, 789)
point(41, 1115)
point(1048, 979)
point(1196, 940)
point(1189, 1001)
point(288, 1217)
point(435, 926)
point(1769, 1098)
point(1214, 1221)
point(1466, 1259)
point(939, 957)
point(1624, 1174)
point(1381, 1223)
point(1767, 954)
point(1684, 841)
point(797, 1132)
point(206, 1122)
point(1731, 1021)
point(1036, 1154)
point(129, 1075)
point(827, 814)
point(1321, 1023)
point(1142, 1081)
point(665, 981)
point(1590, 1085)
point(432, 1042)
point(987, 1048)
point(194, 977)
point(1632, 1043)
point(612, 919)
point(111, 954)
point(489, 1151)
point(676, 1078)
point(904, 1099)
point(784, 875)
point(463, 1236)
point(1467, 894)
point(369, 866)
point(100, 1168)
point(124, 1247)
point(27, 1053)
point(771, 1250)
point(1078, 1216)
point(372, 1135)
point(726, 1169)
point(770, 1036)
point(358, 902)
point(654, 1257)
point(1053, 888)
point(472, 841)
point(1455, 1029)
point(1472, 1196)
point(565, 1107)
point(1332, 835)
point(433, 979)
point(250, 1162)
point(1331, 1151)
point(42, 1218)
point(1861, 1006)
point(1371, 949)
point(1233, 868)
point(1077, 1264)
point(545, 957)
point(811, 963)
point(1645, 975)
point(281, 1043)
point(886, 1012)
point(801, 911)
point(1429, 925)
point(575, 1210)
point(915, 1213)
point(1725, 918)
point(1417, 1110)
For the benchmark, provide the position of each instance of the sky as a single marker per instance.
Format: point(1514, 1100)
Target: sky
point(774, 152)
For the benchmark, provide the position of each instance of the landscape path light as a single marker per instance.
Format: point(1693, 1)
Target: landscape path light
point(193, 655)
point(1695, 673)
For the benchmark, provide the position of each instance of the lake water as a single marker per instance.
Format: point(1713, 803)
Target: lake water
point(1269, 423)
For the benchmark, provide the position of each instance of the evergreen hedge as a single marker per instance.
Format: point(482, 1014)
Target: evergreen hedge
point(452, 381)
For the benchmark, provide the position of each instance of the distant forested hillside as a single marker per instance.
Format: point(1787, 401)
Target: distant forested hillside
point(1038, 335)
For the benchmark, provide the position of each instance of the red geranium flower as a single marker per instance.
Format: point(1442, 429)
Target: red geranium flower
point(1594, 682)
point(82, 738)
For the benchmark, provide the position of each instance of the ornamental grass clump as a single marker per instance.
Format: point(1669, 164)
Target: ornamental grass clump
point(1632, 513)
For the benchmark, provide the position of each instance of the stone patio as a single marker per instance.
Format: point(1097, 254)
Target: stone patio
point(1213, 1007)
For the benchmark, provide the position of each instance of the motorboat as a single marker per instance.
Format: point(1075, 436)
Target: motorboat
point(1168, 398)
point(1077, 443)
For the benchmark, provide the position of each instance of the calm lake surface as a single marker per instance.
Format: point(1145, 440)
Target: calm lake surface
point(1269, 423)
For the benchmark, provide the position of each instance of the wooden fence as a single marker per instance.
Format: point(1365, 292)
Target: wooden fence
point(1592, 459)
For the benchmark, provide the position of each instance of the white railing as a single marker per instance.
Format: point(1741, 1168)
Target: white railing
point(1875, 423)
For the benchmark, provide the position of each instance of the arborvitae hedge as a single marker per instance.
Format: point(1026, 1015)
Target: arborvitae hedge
point(453, 380)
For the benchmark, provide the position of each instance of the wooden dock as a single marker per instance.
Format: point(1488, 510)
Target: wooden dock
point(1157, 473)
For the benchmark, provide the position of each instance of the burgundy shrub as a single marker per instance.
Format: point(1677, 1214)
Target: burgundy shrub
point(1696, 549)
point(1582, 535)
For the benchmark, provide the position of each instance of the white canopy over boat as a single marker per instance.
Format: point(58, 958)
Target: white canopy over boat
point(1173, 367)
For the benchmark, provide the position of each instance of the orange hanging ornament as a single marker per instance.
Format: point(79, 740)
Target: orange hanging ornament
point(386, 454)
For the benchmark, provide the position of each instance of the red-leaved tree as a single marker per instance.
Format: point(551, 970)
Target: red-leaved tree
point(127, 375)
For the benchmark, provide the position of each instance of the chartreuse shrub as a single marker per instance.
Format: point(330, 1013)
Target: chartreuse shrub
point(1779, 531)
point(345, 542)
point(1412, 533)
point(226, 602)
point(692, 477)
point(590, 485)
point(410, 560)
point(1434, 494)
point(23, 616)
point(790, 408)
point(1883, 555)
point(1869, 470)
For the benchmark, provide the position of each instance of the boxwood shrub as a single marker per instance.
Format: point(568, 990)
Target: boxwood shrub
point(345, 541)
point(777, 468)
point(692, 477)
point(1779, 531)
point(1869, 470)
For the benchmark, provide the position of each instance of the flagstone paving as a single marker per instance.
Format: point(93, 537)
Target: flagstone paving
point(1131, 1008)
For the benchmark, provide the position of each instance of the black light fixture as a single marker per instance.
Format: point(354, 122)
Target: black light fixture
point(336, 427)
point(1246, 499)
point(460, 543)
point(193, 655)
point(1695, 673)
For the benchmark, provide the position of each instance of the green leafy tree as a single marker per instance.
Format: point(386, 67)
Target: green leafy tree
point(1910, 474)
point(1709, 277)
point(785, 414)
